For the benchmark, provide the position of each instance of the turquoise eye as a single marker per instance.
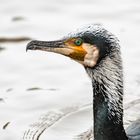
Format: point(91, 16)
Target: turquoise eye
point(78, 42)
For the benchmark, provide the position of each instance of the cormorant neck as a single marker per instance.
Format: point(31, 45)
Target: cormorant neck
point(107, 81)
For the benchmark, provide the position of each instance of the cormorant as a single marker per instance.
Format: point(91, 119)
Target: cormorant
point(98, 51)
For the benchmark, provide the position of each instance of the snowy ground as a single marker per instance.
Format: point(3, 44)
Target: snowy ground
point(48, 94)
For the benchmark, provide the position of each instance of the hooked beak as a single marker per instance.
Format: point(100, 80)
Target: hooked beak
point(50, 46)
point(59, 46)
point(44, 45)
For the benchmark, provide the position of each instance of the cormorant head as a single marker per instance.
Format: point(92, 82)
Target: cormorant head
point(87, 45)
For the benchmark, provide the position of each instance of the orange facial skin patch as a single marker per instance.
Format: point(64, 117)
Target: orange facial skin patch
point(78, 51)
point(85, 54)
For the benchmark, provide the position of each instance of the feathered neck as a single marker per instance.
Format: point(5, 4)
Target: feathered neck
point(107, 82)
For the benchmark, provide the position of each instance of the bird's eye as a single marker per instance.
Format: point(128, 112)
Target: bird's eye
point(78, 42)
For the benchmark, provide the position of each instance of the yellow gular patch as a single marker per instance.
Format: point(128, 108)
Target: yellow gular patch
point(78, 53)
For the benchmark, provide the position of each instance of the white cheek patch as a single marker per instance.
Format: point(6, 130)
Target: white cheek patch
point(92, 55)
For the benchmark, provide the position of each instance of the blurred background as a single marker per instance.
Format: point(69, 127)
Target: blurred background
point(38, 86)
